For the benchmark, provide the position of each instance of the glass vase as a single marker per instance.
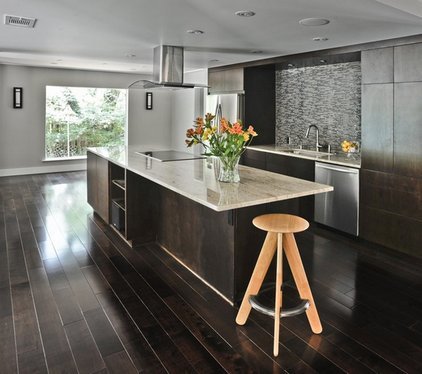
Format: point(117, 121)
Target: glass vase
point(229, 169)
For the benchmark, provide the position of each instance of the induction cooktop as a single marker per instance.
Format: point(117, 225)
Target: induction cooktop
point(165, 156)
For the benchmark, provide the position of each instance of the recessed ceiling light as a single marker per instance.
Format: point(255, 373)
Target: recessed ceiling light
point(54, 63)
point(320, 39)
point(130, 55)
point(257, 51)
point(195, 32)
point(245, 13)
point(214, 60)
point(314, 21)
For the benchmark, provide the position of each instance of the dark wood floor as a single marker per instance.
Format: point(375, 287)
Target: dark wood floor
point(74, 298)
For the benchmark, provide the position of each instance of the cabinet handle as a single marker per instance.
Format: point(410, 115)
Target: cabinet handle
point(347, 171)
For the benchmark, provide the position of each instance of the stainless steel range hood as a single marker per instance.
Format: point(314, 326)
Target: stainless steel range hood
point(167, 70)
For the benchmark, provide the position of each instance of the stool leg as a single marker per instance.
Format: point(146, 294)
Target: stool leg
point(278, 292)
point(299, 275)
point(258, 275)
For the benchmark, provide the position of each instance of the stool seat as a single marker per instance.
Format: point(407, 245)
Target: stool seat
point(280, 223)
point(278, 241)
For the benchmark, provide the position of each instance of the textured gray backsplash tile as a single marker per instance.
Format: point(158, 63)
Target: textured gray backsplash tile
point(328, 96)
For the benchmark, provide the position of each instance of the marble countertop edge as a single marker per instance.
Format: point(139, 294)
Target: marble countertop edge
point(195, 181)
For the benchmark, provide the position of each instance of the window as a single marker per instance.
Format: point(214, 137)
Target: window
point(79, 117)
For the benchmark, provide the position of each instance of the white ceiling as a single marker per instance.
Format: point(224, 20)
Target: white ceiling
point(120, 35)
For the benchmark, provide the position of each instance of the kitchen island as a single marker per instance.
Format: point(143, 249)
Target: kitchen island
point(204, 224)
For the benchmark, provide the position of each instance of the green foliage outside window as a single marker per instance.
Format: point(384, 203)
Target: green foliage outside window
point(77, 118)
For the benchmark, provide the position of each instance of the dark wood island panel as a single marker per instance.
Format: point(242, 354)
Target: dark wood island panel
point(204, 224)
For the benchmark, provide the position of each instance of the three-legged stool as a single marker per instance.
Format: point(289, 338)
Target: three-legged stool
point(280, 229)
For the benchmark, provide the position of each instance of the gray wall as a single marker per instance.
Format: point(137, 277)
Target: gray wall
point(149, 127)
point(22, 130)
point(327, 96)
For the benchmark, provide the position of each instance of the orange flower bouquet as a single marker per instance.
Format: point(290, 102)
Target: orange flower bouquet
point(227, 142)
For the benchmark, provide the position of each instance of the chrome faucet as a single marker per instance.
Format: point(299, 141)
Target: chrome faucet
point(317, 145)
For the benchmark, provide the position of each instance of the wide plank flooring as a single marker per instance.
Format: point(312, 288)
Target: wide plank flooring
point(74, 298)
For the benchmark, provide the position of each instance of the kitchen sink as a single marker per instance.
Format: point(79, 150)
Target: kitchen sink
point(307, 152)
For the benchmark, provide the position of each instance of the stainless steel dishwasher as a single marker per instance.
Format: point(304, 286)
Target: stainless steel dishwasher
point(340, 208)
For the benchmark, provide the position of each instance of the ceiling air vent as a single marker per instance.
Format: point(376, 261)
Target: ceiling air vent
point(19, 21)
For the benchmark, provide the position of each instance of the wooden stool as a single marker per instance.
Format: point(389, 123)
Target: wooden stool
point(280, 228)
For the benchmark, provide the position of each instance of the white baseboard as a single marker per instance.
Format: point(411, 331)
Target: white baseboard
point(42, 169)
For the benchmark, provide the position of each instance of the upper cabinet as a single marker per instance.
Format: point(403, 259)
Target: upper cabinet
point(407, 63)
point(225, 81)
point(260, 102)
point(378, 66)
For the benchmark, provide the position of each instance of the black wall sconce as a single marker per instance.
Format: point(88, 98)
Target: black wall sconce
point(17, 97)
point(148, 100)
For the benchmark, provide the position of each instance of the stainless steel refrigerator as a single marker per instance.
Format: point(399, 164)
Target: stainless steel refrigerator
point(228, 106)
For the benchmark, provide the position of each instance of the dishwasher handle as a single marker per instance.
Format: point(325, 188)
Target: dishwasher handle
point(340, 169)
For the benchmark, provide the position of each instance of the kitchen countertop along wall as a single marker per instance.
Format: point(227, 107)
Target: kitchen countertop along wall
point(338, 158)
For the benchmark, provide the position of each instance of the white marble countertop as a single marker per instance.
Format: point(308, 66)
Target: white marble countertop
point(351, 160)
point(195, 179)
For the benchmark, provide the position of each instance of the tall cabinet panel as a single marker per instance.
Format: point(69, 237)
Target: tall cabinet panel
point(377, 127)
point(260, 102)
point(391, 178)
point(408, 129)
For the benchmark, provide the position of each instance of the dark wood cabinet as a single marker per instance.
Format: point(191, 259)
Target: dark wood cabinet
point(254, 159)
point(408, 129)
point(142, 199)
point(98, 185)
point(407, 63)
point(391, 176)
point(260, 102)
point(298, 168)
point(291, 166)
point(377, 65)
point(377, 126)
point(390, 211)
point(287, 165)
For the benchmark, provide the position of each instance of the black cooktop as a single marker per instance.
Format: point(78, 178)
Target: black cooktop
point(171, 155)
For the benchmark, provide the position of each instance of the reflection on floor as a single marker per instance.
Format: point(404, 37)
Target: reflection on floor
point(74, 298)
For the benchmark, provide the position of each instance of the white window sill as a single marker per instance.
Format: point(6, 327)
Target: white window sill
point(64, 159)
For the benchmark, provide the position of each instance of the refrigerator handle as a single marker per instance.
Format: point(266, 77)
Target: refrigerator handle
point(241, 108)
point(218, 115)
